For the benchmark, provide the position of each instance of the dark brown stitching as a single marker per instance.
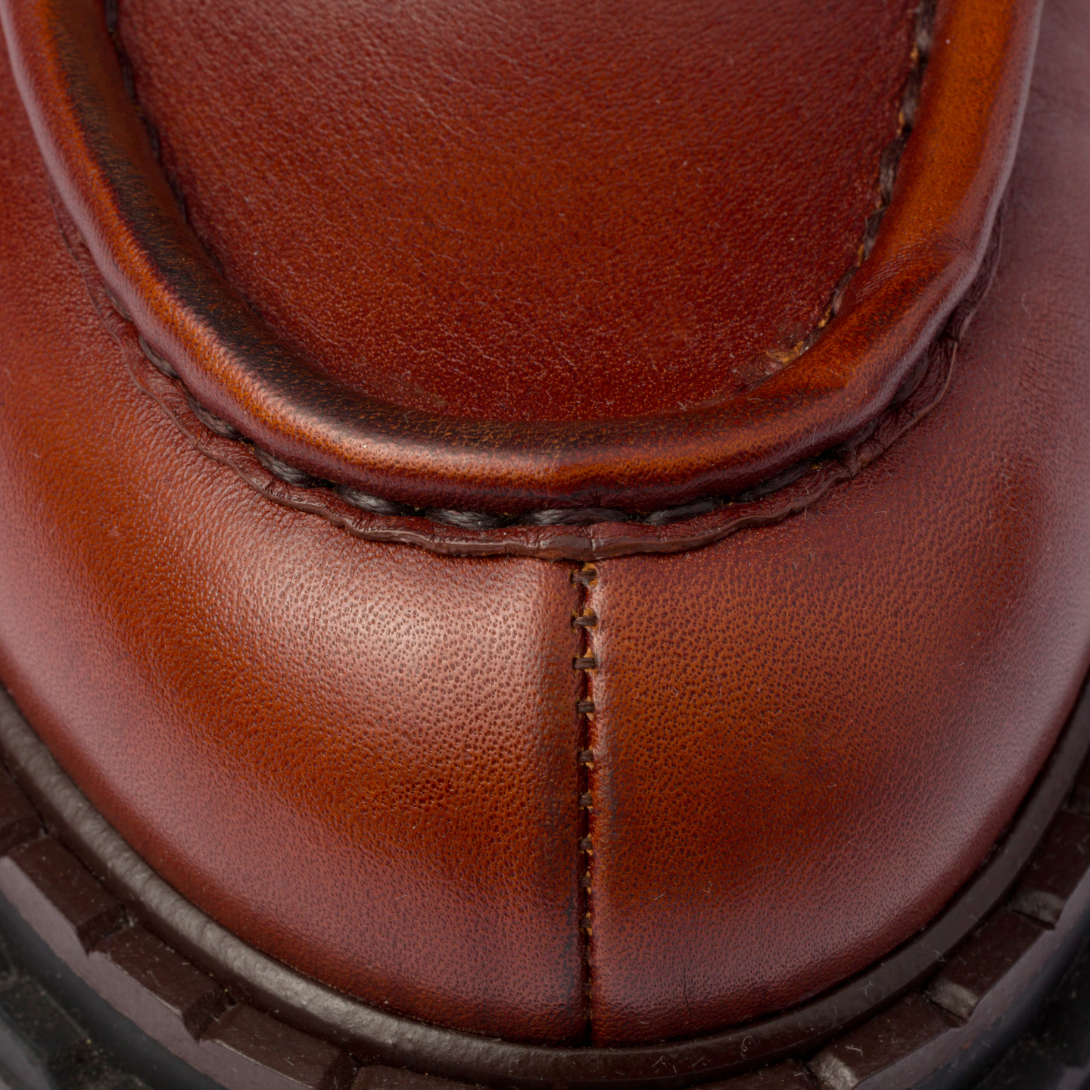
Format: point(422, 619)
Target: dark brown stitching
point(581, 516)
point(887, 174)
point(779, 498)
point(584, 621)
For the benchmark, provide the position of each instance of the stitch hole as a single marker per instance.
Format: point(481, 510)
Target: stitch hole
point(467, 520)
point(891, 160)
point(838, 293)
point(116, 303)
point(687, 511)
point(155, 359)
point(582, 516)
point(924, 31)
point(911, 101)
point(870, 235)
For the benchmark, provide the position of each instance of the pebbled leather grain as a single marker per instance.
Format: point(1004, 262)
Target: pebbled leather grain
point(933, 236)
point(361, 757)
point(358, 757)
point(494, 209)
point(807, 736)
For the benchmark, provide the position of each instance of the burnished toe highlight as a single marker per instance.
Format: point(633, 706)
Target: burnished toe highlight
point(544, 544)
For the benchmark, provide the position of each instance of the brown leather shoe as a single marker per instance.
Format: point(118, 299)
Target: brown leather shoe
point(516, 566)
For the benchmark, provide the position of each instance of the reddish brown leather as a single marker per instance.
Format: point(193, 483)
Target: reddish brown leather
point(359, 757)
point(362, 757)
point(807, 736)
point(933, 236)
point(495, 209)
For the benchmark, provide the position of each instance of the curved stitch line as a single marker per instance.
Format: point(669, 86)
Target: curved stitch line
point(771, 502)
point(577, 516)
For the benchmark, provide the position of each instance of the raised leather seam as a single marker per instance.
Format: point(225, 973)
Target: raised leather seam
point(585, 620)
point(548, 533)
point(477, 520)
point(696, 525)
point(377, 1035)
point(928, 251)
point(889, 161)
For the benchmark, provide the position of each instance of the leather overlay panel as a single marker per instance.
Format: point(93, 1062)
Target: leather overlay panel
point(826, 723)
point(358, 757)
point(932, 238)
point(301, 730)
point(555, 534)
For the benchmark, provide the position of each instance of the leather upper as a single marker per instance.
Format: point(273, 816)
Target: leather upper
point(492, 209)
point(934, 234)
point(365, 758)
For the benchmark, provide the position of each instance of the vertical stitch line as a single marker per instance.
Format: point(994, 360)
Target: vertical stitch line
point(584, 621)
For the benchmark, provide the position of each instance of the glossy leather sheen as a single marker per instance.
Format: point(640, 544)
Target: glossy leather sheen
point(362, 757)
point(807, 736)
point(493, 208)
point(933, 236)
point(359, 757)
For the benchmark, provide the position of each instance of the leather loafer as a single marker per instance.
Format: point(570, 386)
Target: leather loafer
point(545, 543)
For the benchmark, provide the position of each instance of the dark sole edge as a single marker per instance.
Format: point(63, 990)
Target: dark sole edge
point(92, 931)
point(56, 1033)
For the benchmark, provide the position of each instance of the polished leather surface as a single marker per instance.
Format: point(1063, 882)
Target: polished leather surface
point(495, 208)
point(357, 756)
point(807, 736)
point(362, 757)
point(933, 235)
